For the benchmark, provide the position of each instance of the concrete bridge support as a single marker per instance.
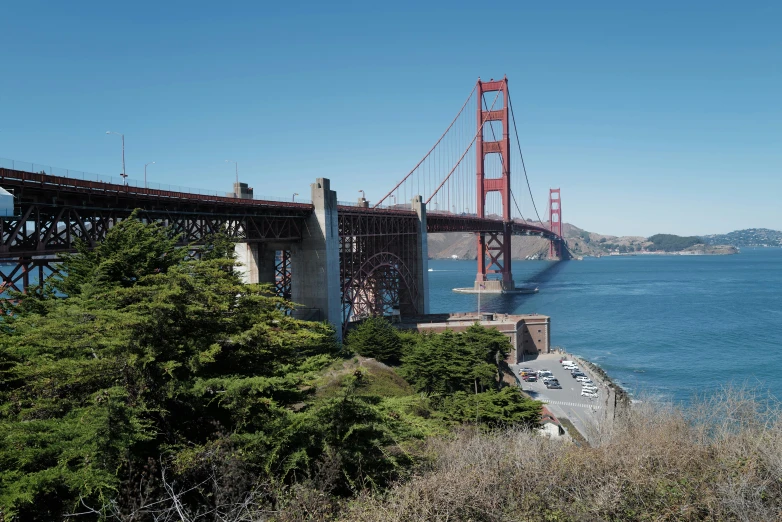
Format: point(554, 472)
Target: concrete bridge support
point(257, 262)
point(315, 261)
point(422, 265)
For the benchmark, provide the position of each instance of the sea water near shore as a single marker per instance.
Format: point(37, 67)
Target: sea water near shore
point(661, 326)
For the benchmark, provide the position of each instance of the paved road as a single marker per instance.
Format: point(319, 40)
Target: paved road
point(583, 412)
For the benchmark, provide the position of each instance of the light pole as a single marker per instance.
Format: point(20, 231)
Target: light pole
point(237, 169)
point(124, 174)
point(145, 172)
point(393, 196)
point(363, 196)
point(294, 196)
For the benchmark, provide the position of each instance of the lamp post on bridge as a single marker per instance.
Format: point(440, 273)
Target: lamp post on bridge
point(294, 197)
point(363, 196)
point(124, 174)
point(393, 196)
point(145, 172)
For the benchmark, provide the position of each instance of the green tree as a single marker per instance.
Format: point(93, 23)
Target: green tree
point(449, 362)
point(150, 353)
point(493, 409)
point(349, 434)
point(376, 337)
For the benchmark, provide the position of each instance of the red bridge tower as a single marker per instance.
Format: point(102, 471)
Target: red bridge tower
point(555, 223)
point(493, 248)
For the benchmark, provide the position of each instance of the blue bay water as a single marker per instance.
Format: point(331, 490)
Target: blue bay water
point(662, 326)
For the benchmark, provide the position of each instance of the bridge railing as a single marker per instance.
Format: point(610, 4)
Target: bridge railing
point(38, 168)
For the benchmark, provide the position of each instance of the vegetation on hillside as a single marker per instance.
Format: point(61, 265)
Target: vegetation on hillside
point(143, 385)
point(719, 460)
point(672, 243)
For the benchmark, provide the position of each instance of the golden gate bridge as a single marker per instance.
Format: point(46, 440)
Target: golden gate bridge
point(341, 261)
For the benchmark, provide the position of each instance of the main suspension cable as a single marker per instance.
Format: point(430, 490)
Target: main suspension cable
point(518, 144)
point(430, 150)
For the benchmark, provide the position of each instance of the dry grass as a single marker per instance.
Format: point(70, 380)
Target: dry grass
point(720, 460)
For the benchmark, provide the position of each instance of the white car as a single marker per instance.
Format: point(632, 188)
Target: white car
point(583, 379)
point(549, 378)
point(588, 393)
point(590, 389)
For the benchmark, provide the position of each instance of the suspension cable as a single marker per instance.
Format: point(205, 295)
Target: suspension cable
point(480, 130)
point(430, 150)
point(518, 144)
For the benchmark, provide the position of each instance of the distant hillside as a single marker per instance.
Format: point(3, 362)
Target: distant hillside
point(579, 242)
point(749, 237)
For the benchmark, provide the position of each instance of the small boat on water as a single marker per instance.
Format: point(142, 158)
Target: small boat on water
point(528, 289)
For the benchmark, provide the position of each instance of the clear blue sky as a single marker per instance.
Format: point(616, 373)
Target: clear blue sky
point(661, 117)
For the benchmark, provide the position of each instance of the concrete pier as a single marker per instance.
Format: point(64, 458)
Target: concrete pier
point(315, 261)
point(422, 266)
point(257, 262)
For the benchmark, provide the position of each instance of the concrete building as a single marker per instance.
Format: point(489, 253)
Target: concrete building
point(528, 333)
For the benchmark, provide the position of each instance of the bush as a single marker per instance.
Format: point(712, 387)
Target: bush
point(720, 460)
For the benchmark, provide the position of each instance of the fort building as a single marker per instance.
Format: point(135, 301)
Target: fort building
point(528, 333)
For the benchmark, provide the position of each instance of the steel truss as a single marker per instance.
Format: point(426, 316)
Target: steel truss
point(56, 212)
point(282, 273)
point(378, 260)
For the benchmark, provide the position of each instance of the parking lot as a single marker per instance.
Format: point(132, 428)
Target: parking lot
point(583, 412)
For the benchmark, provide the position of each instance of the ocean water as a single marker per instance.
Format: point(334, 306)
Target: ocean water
point(670, 327)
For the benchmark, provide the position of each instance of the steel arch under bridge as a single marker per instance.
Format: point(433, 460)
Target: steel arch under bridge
point(379, 253)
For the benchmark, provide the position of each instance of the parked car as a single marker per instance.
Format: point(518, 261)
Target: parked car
point(589, 388)
point(583, 378)
point(577, 374)
point(553, 385)
point(530, 377)
point(590, 394)
point(548, 378)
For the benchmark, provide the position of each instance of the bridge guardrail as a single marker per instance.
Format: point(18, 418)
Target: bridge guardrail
point(38, 168)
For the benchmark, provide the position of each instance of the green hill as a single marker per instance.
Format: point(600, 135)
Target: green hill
point(672, 243)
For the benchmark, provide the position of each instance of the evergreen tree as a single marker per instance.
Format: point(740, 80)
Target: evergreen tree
point(376, 337)
point(149, 354)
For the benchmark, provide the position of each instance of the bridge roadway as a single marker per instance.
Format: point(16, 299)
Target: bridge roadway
point(61, 209)
point(373, 260)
